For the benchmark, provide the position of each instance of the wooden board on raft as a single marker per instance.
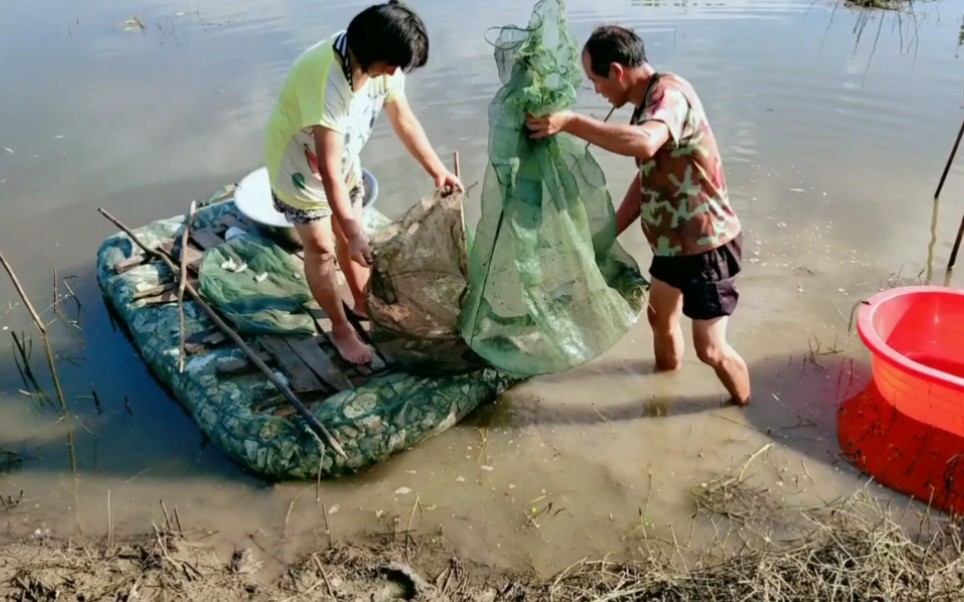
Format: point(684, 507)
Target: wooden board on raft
point(310, 368)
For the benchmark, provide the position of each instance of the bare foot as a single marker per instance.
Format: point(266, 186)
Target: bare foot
point(742, 403)
point(350, 346)
point(666, 367)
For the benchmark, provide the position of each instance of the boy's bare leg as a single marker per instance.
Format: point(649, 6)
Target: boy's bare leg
point(664, 311)
point(709, 338)
point(356, 274)
point(319, 245)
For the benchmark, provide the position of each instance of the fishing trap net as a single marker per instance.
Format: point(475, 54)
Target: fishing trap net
point(544, 286)
point(550, 286)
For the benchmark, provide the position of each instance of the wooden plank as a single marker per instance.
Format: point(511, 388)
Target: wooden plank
point(300, 376)
point(285, 411)
point(230, 221)
point(234, 366)
point(206, 239)
point(242, 365)
point(130, 263)
point(268, 404)
point(192, 255)
point(319, 362)
point(215, 338)
point(279, 405)
point(152, 292)
point(159, 289)
point(198, 338)
point(204, 341)
point(195, 349)
point(193, 258)
point(165, 297)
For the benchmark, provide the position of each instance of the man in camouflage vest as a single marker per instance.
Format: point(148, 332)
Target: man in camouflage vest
point(679, 193)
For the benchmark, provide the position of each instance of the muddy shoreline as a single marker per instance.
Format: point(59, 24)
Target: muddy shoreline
point(852, 549)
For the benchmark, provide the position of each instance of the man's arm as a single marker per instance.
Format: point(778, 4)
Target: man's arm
point(640, 141)
point(328, 147)
point(664, 121)
point(410, 132)
point(631, 206)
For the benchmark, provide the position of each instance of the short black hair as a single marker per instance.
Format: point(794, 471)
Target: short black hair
point(610, 44)
point(389, 32)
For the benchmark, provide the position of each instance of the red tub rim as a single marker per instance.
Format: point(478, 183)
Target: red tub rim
point(879, 347)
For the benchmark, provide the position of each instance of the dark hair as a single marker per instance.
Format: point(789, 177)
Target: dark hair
point(610, 44)
point(389, 32)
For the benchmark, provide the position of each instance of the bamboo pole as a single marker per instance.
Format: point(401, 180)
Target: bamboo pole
point(52, 364)
point(23, 295)
point(947, 168)
point(227, 330)
point(188, 220)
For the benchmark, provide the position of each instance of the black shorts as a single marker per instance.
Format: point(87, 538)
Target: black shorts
point(707, 280)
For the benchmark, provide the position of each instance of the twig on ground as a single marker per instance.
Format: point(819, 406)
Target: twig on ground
point(324, 511)
point(324, 575)
point(408, 530)
point(483, 457)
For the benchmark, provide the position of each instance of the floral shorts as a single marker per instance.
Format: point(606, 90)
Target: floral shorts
point(301, 217)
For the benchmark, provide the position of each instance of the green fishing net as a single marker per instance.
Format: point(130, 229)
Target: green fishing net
point(549, 287)
point(256, 285)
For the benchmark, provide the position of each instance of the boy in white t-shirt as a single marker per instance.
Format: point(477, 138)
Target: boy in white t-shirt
point(322, 120)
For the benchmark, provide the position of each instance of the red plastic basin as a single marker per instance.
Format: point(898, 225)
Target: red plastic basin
point(916, 337)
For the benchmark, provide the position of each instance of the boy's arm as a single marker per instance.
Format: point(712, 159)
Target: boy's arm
point(328, 148)
point(410, 132)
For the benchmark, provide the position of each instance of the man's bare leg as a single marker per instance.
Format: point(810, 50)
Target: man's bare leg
point(319, 245)
point(356, 274)
point(709, 338)
point(664, 312)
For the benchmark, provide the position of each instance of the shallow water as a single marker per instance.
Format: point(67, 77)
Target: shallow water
point(836, 125)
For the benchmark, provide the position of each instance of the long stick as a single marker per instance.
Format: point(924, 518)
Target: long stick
point(23, 295)
point(957, 244)
point(52, 364)
point(950, 160)
point(188, 220)
point(252, 356)
point(947, 168)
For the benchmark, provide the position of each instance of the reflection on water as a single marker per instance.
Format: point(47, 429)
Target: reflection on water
point(835, 126)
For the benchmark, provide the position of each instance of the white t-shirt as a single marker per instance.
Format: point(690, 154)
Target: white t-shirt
point(317, 92)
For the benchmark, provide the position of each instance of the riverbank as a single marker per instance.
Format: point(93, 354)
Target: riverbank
point(852, 549)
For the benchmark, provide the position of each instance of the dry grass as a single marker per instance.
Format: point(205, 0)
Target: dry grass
point(853, 549)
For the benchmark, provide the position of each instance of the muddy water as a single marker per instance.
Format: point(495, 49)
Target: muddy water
point(835, 125)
